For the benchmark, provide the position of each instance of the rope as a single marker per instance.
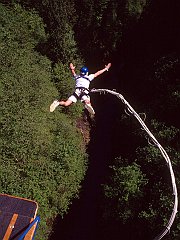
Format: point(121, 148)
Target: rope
point(163, 152)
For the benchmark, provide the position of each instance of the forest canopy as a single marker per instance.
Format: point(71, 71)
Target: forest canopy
point(44, 156)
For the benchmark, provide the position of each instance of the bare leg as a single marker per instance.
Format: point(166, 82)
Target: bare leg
point(87, 101)
point(65, 103)
point(56, 103)
point(88, 106)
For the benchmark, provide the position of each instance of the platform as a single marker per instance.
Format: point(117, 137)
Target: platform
point(16, 215)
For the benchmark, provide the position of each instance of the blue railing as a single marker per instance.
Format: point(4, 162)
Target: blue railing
point(35, 221)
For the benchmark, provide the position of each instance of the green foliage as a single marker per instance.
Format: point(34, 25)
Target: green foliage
point(102, 30)
point(63, 79)
point(59, 16)
point(147, 211)
point(42, 155)
point(125, 187)
point(64, 45)
point(165, 134)
point(166, 88)
point(157, 212)
point(135, 8)
point(22, 27)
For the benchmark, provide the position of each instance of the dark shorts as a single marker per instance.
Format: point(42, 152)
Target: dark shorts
point(81, 94)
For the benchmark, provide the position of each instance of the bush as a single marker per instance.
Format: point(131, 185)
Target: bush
point(42, 155)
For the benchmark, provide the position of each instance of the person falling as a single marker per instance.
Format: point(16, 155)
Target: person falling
point(81, 92)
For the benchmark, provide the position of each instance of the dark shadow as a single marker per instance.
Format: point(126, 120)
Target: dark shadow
point(155, 35)
point(83, 217)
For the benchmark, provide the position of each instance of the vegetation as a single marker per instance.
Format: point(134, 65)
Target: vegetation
point(43, 156)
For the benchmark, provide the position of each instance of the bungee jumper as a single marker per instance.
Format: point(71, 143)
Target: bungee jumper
point(81, 92)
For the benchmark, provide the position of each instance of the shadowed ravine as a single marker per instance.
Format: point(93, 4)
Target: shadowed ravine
point(155, 36)
point(82, 221)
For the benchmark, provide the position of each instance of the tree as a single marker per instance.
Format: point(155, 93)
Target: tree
point(42, 156)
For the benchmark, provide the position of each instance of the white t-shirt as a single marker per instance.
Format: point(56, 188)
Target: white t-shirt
point(83, 81)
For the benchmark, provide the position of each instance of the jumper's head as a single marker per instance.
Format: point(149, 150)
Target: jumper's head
point(84, 71)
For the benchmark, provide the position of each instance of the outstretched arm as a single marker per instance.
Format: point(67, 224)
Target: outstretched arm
point(103, 70)
point(72, 67)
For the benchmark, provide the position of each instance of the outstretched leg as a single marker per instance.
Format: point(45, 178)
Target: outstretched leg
point(88, 106)
point(56, 103)
point(65, 103)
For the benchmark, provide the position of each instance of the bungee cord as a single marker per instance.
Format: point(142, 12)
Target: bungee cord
point(131, 111)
